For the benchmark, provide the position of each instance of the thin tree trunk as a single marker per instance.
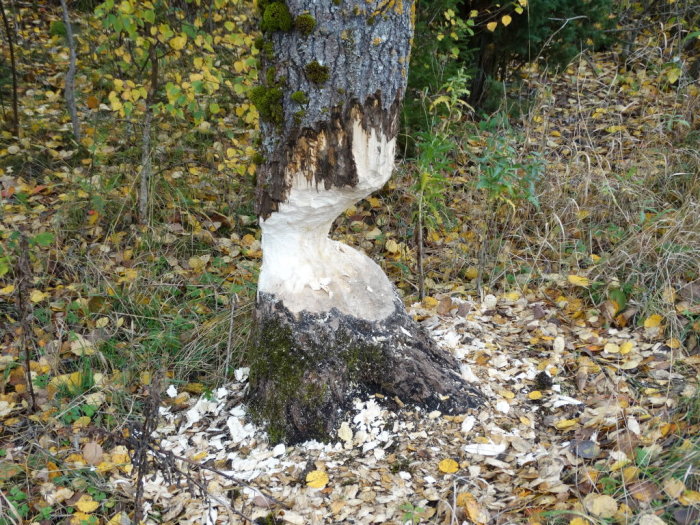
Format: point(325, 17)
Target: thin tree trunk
point(146, 169)
point(70, 75)
point(10, 42)
point(420, 249)
point(24, 275)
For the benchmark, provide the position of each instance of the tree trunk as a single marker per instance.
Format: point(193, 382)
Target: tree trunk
point(329, 322)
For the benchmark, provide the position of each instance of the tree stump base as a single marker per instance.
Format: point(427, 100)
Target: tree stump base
point(306, 369)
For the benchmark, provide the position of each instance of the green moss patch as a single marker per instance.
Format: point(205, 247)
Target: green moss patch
point(287, 377)
point(305, 23)
point(300, 97)
point(317, 73)
point(268, 101)
point(276, 17)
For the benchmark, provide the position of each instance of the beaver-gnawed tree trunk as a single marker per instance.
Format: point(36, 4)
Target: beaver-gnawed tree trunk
point(329, 323)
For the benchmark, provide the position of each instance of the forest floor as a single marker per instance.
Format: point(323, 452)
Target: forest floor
point(581, 328)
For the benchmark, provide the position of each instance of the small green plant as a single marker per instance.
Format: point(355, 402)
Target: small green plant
point(503, 172)
point(506, 175)
point(18, 498)
point(434, 161)
point(411, 513)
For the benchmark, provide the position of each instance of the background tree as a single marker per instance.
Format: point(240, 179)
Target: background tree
point(329, 322)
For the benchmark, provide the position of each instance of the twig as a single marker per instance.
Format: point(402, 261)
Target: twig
point(24, 275)
point(70, 75)
point(229, 342)
point(146, 175)
point(10, 42)
point(150, 423)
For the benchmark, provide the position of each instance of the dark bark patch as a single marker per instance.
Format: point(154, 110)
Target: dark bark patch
point(305, 370)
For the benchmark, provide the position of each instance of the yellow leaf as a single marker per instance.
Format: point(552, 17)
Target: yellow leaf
point(626, 347)
point(614, 129)
point(448, 466)
point(79, 518)
point(392, 246)
point(566, 423)
point(7, 290)
point(86, 504)
point(471, 273)
point(491, 26)
point(512, 296)
point(468, 502)
point(690, 497)
point(118, 519)
point(535, 395)
point(178, 42)
point(197, 263)
point(316, 479)
point(673, 74)
point(579, 521)
point(430, 302)
point(126, 7)
point(578, 280)
point(673, 343)
point(37, 296)
point(523, 3)
point(653, 321)
point(506, 20)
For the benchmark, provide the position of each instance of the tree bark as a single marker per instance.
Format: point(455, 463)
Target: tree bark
point(329, 322)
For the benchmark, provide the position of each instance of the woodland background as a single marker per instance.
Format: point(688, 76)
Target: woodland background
point(549, 150)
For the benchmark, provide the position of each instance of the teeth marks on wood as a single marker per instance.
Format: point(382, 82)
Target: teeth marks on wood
point(344, 67)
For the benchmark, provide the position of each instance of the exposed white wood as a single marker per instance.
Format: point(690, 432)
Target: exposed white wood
point(307, 270)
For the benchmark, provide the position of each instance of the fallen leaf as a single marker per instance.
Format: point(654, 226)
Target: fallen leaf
point(650, 519)
point(93, 453)
point(345, 432)
point(316, 479)
point(86, 504)
point(448, 466)
point(36, 296)
point(81, 346)
point(653, 321)
point(600, 505)
point(578, 280)
point(673, 487)
point(690, 497)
